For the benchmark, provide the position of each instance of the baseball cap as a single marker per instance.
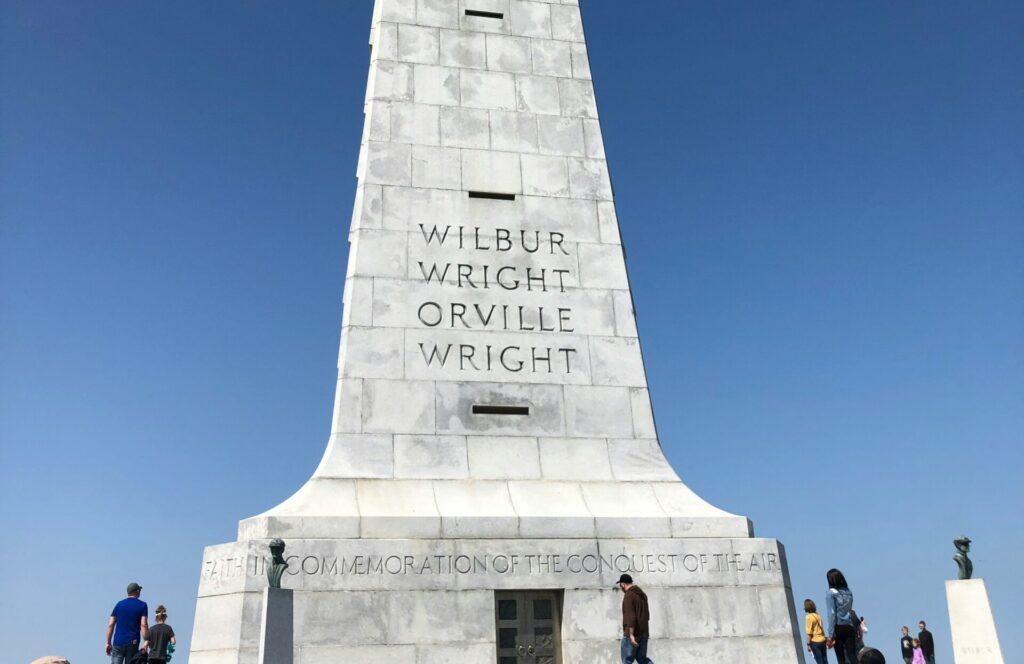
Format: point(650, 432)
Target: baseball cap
point(625, 578)
point(133, 588)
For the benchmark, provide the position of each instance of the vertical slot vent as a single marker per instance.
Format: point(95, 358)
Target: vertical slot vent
point(492, 195)
point(483, 14)
point(484, 409)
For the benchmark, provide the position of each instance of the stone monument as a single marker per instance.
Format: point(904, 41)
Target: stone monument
point(493, 464)
point(975, 640)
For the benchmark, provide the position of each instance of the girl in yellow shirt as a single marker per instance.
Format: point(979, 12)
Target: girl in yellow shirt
point(816, 644)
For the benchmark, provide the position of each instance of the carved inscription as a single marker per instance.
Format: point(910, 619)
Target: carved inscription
point(513, 564)
point(505, 263)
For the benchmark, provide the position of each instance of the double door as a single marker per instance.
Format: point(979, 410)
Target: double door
point(529, 626)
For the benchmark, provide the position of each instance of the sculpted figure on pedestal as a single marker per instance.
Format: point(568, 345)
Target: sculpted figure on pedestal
point(963, 547)
point(277, 563)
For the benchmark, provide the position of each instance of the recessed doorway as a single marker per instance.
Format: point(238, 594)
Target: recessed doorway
point(529, 626)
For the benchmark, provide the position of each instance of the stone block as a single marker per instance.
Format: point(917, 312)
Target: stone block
point(616, 361)
point(348, 406)
point(358, 455)
point(577, 459)
point(437, 617)
point(372, 352)
point(378, 254)
point(436, 85)
point(483, 24)
point(566, 23)
point(465, 128)
point(488, 89)
point(476, 510)
point(415, 123)
point(463, 49)
point(378, 122)
point(513, 132)
point(357, 307)
point(592, 412)
point(551, 509)
point(398, 406)
point(368, 207)
point(508, 457)
point(592, 614)
point(491, 171)
point(545, 175)
point(589, 179)
point(530, 19)
point(388, 163)
point(438, 13)
point(609, 222)
point(580, 62)
point(551, 58)
point(455, 405)
point(561, 136)
point(418, 44)
point(577, 98)
point(625, 510)
point(392, 654)
point(405, 208)
point(594, 140)
point(639, 460)
point(385, 42)
point(602, 266)
point(390, 81)
point(458, 653)
point(396, 11)
point(431, 457)
point(319, 617)
point(577, 219)
point(398, 508)
point(509, 54)
point(537, 94)
point(643, 413)
point(436, 168)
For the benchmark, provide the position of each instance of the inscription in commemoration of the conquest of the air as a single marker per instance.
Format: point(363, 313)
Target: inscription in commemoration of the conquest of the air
point(518, 262)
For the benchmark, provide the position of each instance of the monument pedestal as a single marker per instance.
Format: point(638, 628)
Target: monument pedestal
point(972, 626)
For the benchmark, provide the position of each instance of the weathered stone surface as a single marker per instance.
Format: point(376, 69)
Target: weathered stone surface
point(492, 427)
point(975, 640)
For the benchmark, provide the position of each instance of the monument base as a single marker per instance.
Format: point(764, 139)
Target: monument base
point(409, 601)
point(972, 626)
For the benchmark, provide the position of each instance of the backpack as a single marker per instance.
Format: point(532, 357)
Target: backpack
point(140, 657)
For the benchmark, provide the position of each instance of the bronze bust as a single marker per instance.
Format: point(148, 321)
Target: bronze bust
point(963, 547)
point(277, 563)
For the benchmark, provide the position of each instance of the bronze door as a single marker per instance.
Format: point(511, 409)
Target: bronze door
point(528, 626)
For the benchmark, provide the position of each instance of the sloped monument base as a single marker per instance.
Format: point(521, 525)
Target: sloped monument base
point(972, 626)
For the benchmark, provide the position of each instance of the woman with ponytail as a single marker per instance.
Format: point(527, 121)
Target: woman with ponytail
point(160, 641)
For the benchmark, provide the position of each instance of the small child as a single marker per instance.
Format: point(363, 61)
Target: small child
point(160, 641)
point(918, 653)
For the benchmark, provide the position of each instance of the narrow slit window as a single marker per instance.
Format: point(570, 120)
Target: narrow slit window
point(492, 195)
point(483, 14)
point(500, 410)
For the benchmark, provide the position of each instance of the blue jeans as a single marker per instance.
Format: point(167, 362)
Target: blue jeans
point(638, 653)
point(123, 654)
point(820, 652)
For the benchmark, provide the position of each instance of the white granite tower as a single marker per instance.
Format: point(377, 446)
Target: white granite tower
point(493, 464)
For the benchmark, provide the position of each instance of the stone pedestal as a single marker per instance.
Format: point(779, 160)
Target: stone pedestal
point(493, 464)
point(972, 626)
point(277, 628)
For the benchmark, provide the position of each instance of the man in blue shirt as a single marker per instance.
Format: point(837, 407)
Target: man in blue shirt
point(128, 626)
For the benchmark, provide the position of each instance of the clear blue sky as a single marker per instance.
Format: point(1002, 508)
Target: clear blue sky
point(823, 206)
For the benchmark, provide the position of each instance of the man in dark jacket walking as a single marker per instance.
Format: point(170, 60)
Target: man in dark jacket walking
point(927, 643)
point(636, 616)
point(907, 646)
